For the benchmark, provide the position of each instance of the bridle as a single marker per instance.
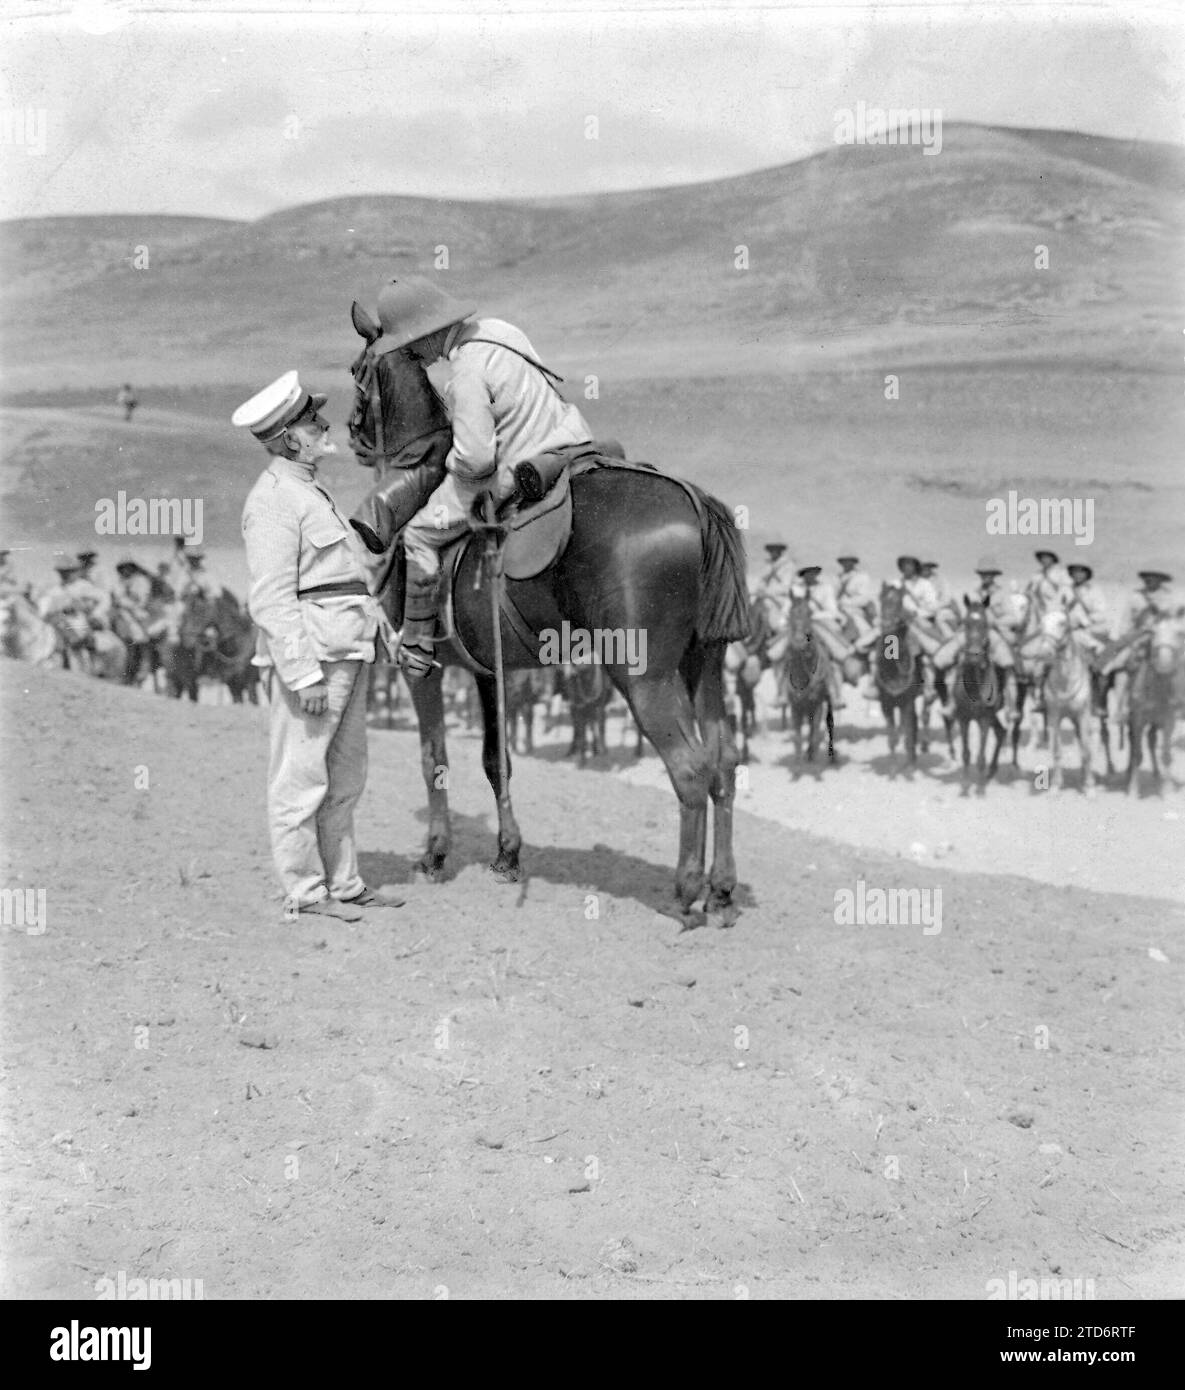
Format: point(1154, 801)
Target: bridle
point(368, 392)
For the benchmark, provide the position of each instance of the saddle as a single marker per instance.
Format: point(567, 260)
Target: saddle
point(538, 522)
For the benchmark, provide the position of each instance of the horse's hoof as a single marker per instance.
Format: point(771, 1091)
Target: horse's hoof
point(432, 868)
point(506, 870)
point(691, 918)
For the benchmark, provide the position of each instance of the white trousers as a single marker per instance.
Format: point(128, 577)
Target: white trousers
point(316, 773)
point(445, 516)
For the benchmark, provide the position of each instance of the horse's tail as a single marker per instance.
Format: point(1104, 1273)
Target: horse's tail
point(723, 614)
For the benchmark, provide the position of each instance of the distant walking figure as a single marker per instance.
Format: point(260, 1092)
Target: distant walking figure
point(127, 399)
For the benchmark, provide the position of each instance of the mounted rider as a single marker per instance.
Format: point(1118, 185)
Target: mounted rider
point(946, 613)
point(1049, 587)
point(192, 579)
point(1048, 591)
point(504, 408)
point(855, 597)
point(920, 603)
point(1001, 619)
point(826, 621)
point(1152, 603)
point(1086, 609)
point(76, 609)
point(774, 583)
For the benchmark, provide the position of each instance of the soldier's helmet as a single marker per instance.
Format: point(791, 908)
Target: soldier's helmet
point(411, 309)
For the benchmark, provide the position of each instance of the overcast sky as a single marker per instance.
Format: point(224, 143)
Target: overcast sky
point(194, 108)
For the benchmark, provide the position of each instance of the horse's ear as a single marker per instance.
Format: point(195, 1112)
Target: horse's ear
point(967, 600)
point(364, 325)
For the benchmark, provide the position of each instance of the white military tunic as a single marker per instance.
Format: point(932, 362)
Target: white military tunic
point(296, 539)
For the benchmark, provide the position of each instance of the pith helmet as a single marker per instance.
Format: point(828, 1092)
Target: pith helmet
point(806, 570)
point(1163, 576)
point(411, 309)
point(903, 560)
point(848, 554)
point(1053, 555)
point(987, 565)
point(1080, 565)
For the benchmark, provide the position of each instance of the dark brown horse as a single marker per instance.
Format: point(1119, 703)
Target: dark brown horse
point(1153, 697)
point(587, 690)
point(215, 642)
point(897, 670)
point(644, 557)
point(978, 690)
point(804, 679)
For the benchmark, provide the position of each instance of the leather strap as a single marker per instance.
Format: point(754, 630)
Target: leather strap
point(493, 342)
point(351, 587)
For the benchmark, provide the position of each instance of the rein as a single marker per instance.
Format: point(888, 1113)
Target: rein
point(812, 673)
point(901, 632)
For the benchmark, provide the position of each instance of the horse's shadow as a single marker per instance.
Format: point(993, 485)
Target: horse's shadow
point(600, 869)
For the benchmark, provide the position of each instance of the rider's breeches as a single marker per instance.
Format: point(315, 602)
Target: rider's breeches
point(865, 632)
point(445, 516)
point(316, 773)
point(999, 651)
point(831, 637)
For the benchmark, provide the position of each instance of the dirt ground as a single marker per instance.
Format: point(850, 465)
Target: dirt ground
point(547, 1089)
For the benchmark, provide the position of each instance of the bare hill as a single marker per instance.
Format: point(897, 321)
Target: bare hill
point(880, 248)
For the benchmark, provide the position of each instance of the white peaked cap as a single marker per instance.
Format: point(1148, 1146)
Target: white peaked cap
point(269, 411)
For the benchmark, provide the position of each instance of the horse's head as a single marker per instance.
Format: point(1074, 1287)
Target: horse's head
point(394, 401)
point(892, 605)
point(975, 631)
point(798, 621)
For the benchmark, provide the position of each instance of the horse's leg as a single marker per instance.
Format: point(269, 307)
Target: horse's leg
point(1157, 780)
point(427, 696)
point(1014, 732)
point(1085, 728)
point(965, 732)
point(909, 718)
point(723, 758)
point(1135, 739)
point(662, 706)
point(506, 868)
point(1053, 722)
point(830, 732)
point(890, 726)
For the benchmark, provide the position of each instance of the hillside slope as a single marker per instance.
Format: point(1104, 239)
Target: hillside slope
point(855, 249)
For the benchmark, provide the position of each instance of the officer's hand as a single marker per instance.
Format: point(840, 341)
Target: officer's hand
point(314, 699)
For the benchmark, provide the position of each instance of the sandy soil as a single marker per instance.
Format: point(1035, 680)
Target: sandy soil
point(495, 1091)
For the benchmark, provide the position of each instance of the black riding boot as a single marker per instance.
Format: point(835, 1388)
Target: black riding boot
point(419, 624)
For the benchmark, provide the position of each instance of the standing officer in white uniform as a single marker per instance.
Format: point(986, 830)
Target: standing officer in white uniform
point(317, 624)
